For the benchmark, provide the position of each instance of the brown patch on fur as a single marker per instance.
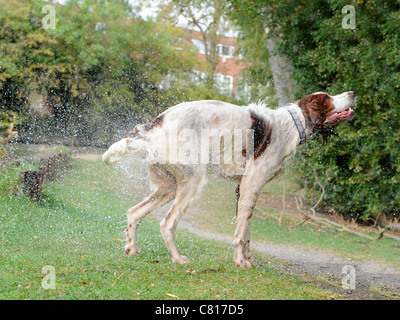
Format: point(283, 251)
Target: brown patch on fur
point(316, 108)
point(135, 133)
point(262, 133)
point(237, 192)
point(216, 102)
point(157, 122)
point(215, 121)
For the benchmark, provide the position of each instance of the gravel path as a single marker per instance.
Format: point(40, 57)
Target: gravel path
point(313, 263)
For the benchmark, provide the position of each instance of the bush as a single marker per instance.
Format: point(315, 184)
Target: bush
point(360, 168)
point(8, 120)
point(10, 174)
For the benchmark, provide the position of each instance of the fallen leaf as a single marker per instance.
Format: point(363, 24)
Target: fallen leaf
point(211, 270)
point(172, 295)
point(191, 271)
point(153, 261)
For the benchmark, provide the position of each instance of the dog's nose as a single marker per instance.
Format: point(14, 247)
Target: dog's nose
point(352, 94)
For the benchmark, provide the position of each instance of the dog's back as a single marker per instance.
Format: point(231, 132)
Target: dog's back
point(190, 133)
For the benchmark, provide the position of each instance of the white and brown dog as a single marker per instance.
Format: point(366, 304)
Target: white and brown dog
point(246, 144)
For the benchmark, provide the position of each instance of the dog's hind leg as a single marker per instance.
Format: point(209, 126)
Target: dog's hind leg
point(166, 187)
point(184, 194)
point(246, 244)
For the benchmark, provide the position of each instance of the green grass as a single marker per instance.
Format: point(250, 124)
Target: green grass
point(10, 175)
point(217, 207)
point(78, 229)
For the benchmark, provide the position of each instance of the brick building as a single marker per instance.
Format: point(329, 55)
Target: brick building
point(229, 67)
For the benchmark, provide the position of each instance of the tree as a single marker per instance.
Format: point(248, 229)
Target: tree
point(252, 44)
point(102, 66)
point(209, 18)
point(360, 168)
point(252, 16)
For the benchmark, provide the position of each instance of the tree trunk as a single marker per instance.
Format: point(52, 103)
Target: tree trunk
point(281, 69)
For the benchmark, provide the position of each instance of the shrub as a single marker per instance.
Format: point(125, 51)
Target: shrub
point(361, 167)
point(7, 121)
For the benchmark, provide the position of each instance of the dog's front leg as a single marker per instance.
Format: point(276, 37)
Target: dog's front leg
point(246, 250)
point(250, 187)
point(241, 240)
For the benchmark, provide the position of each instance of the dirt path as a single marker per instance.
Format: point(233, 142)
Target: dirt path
point(313, 263)
point(88, 156)
point(325, 268)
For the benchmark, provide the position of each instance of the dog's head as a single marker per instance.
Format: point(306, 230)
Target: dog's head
point(324, 112)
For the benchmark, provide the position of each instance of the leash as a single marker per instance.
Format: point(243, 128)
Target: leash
point(299, 126)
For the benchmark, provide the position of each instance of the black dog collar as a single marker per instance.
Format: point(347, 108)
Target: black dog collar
point(299, 125)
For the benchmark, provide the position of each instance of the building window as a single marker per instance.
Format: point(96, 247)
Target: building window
point(179, 43)
point(199, 45)
point(224, 83)
point(198, 76)
point(244, 90)
point(222, 50)
point(225, 51)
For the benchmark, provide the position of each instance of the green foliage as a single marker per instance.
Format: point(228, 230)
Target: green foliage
point(209, 18)
point(360, 168)
point(101, 65)
point(10, 174)
point(8, 119)
point(29, 61)
point(252, 46)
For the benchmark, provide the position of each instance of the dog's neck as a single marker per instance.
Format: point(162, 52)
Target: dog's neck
point(299, 121)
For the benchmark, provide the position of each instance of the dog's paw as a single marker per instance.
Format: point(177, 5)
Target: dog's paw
point(131, 249)
point(254, 262)
point(249, 258)
point(243, 263)
point(180, 259)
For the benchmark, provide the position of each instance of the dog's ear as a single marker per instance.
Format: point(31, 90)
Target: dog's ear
point(316, 108)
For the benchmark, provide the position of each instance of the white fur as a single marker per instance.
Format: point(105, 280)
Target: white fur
point(343, 101)
point(179, 156)
point(120, 148)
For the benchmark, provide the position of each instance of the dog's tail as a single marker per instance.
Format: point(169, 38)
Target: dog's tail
point(122, 147)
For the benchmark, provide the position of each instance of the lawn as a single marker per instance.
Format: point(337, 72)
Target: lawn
point(78, 230)
point(217, 208)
